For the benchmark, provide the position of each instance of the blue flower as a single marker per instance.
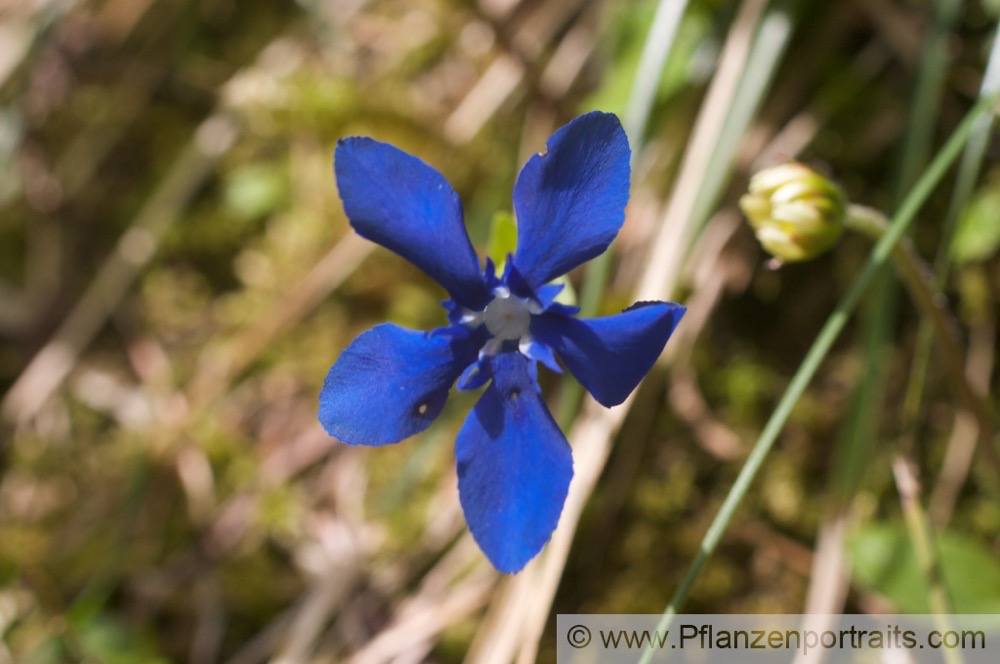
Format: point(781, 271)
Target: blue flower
point(514, 464)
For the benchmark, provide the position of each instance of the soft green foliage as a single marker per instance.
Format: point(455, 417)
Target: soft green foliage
point(503, 239)
point(624, 38)
point(256, 190)
point(103, 638)
point(883, 561)
point(977, 237)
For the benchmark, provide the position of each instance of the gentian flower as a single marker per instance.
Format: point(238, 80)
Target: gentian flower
point(514, 464)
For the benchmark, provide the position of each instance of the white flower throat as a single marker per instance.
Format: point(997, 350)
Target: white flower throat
point(508, 317)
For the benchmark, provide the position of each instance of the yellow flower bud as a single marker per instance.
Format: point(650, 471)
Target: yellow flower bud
point(796, 213)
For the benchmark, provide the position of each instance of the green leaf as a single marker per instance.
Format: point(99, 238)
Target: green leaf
point(503, 238)
point(102, 637)
point(567, 295)
point(884, 562)
point(108, 640)
point(978, 234)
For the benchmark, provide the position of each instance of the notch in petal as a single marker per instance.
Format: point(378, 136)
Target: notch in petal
point(514, 467)
point(390, 383)
point(398, 201)
point(610, 355)
point(570, 201)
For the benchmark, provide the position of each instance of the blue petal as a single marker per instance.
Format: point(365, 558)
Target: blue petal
point(398, 201)
point(514, 467)
point(475, 375)
point(515, 281)
point(390, 383)
point(610, 355)
point(548, 293)
point(540, 353)
point(570, 202)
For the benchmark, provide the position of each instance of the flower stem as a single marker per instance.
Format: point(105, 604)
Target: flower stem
point(920, 282)
point(965, 181)
point(821, 346)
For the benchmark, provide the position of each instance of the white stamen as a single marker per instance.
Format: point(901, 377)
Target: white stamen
point(471, 318)
point(491, 347)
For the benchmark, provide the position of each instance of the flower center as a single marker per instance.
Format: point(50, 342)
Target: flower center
point(507, 317)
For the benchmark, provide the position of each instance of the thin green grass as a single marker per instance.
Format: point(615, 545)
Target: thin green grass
point(881, 311)
point(817, 352)
point(965, 181)
point(652, 62)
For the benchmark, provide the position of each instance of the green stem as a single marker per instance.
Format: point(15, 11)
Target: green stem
point(821, 346)
point(965, 180)
point(921, 283)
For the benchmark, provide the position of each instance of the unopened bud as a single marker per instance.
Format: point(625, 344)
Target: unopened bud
point(796, 213)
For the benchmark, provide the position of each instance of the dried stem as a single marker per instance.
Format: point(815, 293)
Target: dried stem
point(922, 539)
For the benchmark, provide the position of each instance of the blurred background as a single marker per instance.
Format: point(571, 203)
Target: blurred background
point(177, 276)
